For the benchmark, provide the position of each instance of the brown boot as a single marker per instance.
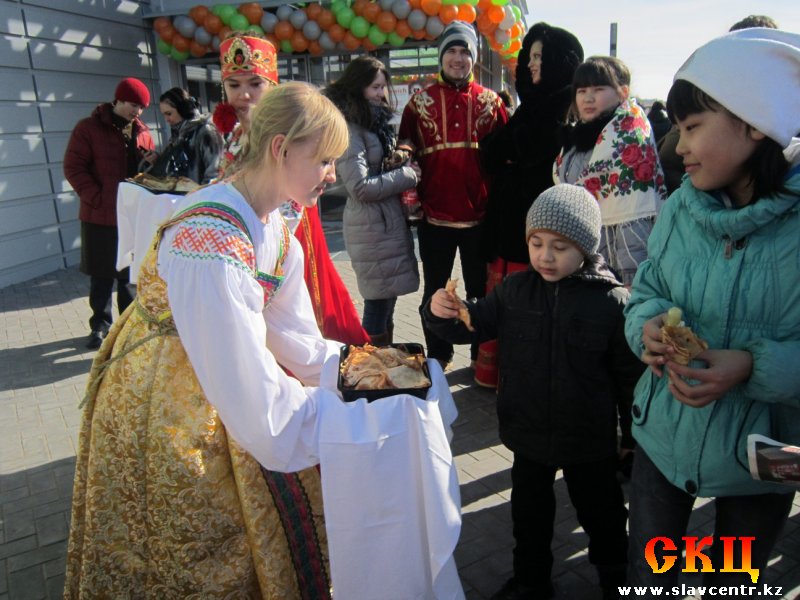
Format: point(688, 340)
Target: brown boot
point(382, 339)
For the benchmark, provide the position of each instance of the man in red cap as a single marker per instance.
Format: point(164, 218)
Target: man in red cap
point(103, 150)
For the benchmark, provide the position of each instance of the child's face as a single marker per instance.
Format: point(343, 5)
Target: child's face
point(375, 92)
point(553, 256)
point(594, 100)
point(714, 146)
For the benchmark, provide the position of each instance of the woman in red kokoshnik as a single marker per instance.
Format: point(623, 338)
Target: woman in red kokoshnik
point(249, 67)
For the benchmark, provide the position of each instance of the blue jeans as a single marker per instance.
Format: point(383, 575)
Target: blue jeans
point(659, 509)
point(378, 315)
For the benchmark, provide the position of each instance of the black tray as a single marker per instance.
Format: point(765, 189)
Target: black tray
point(351, 395)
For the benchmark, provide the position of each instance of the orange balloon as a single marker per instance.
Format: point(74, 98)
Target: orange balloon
point(371, 11)
point(168, 34)
point(350, 41)
point(212, 24)
point(314, 48)
point(358, 6)
point(432, 7)
point(496, 14)
point(466, 13)
point(313, 10)
point(515, 31)
point(253, 12)
point(299, 42)
point(414, 3)
point(448, 13)
point(515, 46)
point(368, 45)
point(386, 21)
point(336, 32)
point(199, 13)
point(180, 43)
point(418, 34)
point(273, 40)
point(161, 23)
point(196, 49)
point(402, 28)
point(283, 30)
point(224, 32)
point(485, 5)
point(326, 18)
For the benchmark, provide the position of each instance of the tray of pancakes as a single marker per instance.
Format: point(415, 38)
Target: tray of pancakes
point(164, 185)
point(373, 372)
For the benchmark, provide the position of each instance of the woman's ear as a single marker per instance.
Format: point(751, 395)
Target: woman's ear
point(276, 147)
point(755, 134)
point(623, 92)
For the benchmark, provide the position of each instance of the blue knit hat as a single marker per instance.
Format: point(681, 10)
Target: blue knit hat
point(569, 211)
point(461, 34)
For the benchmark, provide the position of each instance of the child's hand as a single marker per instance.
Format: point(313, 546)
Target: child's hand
point(417, 170)
point(443, 306)
point(726, 369)
point(655, 353)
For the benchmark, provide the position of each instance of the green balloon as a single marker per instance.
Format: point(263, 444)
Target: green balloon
point(473, 2)
point(254, 29)
point(163, 47)
point(376, 36)
point(517, 12)
point(216, 8)
point(359, 27)
point(238, 22)
point(227, 12)
point(396, 40)
point(178, 55)
point(336, 6)
point(345, 16)
point(499, 2)
point(286, 46)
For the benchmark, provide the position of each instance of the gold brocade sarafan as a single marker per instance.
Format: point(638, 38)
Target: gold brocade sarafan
point(165, 504)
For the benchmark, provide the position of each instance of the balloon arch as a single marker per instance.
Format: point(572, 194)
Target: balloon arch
point(342, 25)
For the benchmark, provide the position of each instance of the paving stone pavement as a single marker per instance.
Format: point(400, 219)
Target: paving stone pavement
point(43, 368)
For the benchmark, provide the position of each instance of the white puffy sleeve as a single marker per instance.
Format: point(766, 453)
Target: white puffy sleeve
point(217, 307)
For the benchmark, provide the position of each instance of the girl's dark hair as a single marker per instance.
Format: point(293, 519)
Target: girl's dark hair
point(180, 100)
point(348, 91)
point(767, 166)
point(598, 70)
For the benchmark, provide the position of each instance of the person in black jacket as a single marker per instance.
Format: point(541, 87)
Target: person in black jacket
point(519, 157)
point(565, 369)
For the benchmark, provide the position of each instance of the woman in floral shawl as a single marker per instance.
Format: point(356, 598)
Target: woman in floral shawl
point(611, 152)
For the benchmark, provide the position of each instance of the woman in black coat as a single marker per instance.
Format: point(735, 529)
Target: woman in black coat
point(519, 157)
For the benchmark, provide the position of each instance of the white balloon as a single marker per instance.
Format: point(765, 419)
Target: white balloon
point(311, 30)
point(284, 12)
point(325, 41)
point(501, 36)
point(401, 8)
point(268, 22)
point(185, 26)
point(386, 4)
point(298, 19)
point(202, 37)
point(434, 26)
point(509, 20)
point(215, 42)
point(417, 19)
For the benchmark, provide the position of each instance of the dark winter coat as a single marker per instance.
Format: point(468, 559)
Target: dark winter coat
point(97, 159)
point(564, 365)
point(519, 156)
point(193, 151)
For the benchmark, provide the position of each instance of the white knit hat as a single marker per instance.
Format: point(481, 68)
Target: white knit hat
point(458, 33)
point(755, 74)
point(569, 211)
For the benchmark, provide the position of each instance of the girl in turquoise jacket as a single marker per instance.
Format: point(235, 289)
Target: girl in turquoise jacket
point(726, 250)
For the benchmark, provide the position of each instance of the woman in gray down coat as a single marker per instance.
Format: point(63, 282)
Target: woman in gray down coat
point(374, 173)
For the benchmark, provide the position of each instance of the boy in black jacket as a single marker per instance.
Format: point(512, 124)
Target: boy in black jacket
point(565, 368)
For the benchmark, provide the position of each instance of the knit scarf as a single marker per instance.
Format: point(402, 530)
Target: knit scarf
point(623, 172)
point(381, 115)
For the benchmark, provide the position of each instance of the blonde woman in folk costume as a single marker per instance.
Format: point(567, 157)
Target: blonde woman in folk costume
point(187, 406)
point(249, 68)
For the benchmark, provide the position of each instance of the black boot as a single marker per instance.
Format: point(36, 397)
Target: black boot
point(611, 577)
point(515, 590)
point(382, 339)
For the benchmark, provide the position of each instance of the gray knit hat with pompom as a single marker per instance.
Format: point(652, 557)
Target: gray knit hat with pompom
point(571, 212)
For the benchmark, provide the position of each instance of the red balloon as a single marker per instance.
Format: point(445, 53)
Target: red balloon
point(168, 34)
point(337, 33)
point(212, 24)
point(161, 23)
point(252, 11)
point(326, 19)
point(299, 42)
point(180, 43)
point(314, 48)
point(371, 11)
point(197, 50)
point(386, 21)
point(402, 29)
point(199, 13)
point(350, 41)
point(283, 30)
point(313, 10)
